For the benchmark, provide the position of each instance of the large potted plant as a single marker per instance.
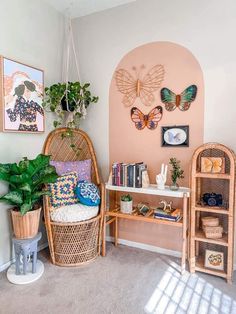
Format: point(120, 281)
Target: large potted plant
point(26, 187)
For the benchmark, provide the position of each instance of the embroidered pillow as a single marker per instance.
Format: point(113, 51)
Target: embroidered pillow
point(88, 193)
point(63, 190)
point(81, 167)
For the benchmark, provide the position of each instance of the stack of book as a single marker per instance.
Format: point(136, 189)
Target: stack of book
point(175, 215)
point(129, 175)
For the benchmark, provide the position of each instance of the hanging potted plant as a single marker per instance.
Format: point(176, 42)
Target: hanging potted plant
point(69, 101)
point(26, 187)
point(176, 173)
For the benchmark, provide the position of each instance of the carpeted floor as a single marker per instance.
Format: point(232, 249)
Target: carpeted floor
point(127, 280)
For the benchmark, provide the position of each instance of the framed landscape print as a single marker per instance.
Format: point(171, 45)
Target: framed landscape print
point(175, 136)
point(21, 97)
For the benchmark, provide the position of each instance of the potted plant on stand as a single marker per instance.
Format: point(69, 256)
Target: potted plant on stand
point(26, 181)
point(176, 173)
point(126, 204)
point(69, 101)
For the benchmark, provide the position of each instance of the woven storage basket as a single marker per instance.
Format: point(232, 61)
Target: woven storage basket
point(73, 244)
point(210, 221)
point(213, 232)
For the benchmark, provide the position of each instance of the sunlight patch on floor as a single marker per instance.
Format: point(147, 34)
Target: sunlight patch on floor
point(188, 293)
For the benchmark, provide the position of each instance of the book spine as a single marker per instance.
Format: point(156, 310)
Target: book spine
point(121, 174)
point(113, 174)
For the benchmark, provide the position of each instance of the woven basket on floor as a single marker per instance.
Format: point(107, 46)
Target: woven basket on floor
point(73, 244)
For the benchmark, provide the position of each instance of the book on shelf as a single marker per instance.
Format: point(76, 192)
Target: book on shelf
point(129, 175)
point(175, 215)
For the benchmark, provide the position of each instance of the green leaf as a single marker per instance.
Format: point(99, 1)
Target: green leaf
point(25, 187)
point(13, 197)
point(25, 208)
point(20, 178)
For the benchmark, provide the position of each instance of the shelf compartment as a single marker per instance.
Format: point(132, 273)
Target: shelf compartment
point(117, 213)
point(211, 209)
point(223, 176)
point(200, 267)
point(200, 236)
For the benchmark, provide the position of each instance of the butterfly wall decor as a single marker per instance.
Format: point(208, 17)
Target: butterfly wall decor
point(149, 120)
point(182, 101)
point(134, 87)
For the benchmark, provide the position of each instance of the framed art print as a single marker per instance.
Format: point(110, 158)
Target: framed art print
point(214, 260)
point(175, 136)
point(21, 97)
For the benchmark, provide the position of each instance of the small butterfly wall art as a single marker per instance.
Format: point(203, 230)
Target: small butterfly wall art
point(182, 101)
point(138, 86)
point(149, 120)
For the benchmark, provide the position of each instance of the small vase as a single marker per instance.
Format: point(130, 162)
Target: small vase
point(174, 186)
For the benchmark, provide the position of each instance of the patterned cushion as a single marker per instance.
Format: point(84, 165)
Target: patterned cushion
point(88, 193)
point(63, 190)
point(74, 213)
point(81, 167)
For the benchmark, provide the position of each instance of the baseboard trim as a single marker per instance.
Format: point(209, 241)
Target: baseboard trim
point(6, 265)
point(146, 247)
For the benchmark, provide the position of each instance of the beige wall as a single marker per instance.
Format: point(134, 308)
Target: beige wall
point(30, 32)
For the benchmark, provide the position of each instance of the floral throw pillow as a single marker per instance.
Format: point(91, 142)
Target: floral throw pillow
point(81, 167)
point(63, 190)
point(88, 193)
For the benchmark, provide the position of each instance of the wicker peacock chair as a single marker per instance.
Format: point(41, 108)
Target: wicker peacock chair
point(73, 244)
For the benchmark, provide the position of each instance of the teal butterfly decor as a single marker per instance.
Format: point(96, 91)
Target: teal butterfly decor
point(182, 101)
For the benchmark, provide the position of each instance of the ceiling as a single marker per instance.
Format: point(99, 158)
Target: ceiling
point(77, 8)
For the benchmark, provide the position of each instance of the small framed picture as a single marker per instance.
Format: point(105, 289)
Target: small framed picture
point(213, 164)
point(177, 135)
point(214, 259)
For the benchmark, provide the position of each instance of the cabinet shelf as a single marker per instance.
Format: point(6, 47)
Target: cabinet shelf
point(211, 209)
point(200, 236)
point(225, 176)
point(200, 267)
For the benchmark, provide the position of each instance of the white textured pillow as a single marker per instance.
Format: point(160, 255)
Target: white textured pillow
point(74, 213)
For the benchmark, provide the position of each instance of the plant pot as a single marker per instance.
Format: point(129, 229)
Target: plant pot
point(126, 207)
point(26, 226)
point(174, 186)
point(71, 105)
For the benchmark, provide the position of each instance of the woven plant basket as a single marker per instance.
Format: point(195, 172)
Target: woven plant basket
point(25, 227)
point(73, 244)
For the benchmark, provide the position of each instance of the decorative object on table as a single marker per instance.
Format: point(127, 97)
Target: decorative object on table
point(223, 183)
point(21, 96)
point(27, 268)
point(149, 120)
point(166, 207)
point(177, 135)
point(161, 177)
point(212, 199)
point(145, 179)
point(214, 259)
point(26, 188)
point(176, 173)
point(143, 88)
point(127, 174)
point(126, 204)
point(213, 164)
point(78, 249)
point(182, 101)
point(143, 208)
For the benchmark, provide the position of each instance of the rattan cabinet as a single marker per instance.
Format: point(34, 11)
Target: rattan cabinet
point(220, 181)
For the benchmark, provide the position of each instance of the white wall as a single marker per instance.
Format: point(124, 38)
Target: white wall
point(206, 28)
point(30, 32)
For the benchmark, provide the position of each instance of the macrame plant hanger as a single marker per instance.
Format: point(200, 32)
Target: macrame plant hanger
point(69, 42)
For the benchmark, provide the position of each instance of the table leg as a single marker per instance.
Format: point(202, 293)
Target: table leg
point(184, 233)
point(116, 231)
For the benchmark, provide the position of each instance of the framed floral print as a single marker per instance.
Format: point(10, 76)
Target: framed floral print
point(21, 97)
